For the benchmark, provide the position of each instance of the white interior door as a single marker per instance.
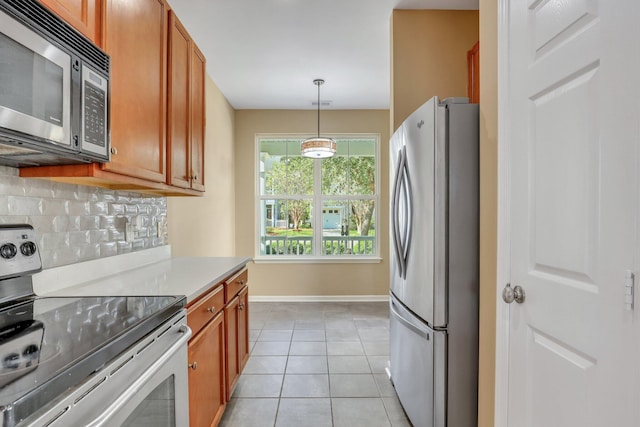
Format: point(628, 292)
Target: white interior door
point(571, 130)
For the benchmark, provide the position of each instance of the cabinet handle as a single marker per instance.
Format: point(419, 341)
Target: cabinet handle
point(211, 309)
point(241, 306)
point(241, 282)
point(114, 150)
point(193, 365)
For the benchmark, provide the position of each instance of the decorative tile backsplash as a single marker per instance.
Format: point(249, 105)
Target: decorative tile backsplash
point(75, 223)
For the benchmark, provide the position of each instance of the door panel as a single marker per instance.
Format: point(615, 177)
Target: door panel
point(573, 211)
point(417, 359)
point(136, 40)
point(179, 99)
point(232, 321)
point(571, 372)
point(198, 73)
point(207, 396)
point(421, 180)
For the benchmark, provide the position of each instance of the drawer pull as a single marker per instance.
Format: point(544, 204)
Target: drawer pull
point(211, 309)
point(193, 365)
point(241, 282)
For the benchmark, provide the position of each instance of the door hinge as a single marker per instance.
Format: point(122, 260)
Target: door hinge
point(629, 284)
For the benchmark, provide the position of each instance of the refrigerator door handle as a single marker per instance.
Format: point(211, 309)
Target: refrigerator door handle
point(395, 211)
point(406, 179)
point(407, 323)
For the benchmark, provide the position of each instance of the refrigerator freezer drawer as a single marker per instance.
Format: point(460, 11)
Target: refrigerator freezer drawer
point(418, 367)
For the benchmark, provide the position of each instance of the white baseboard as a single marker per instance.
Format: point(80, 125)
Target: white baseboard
point(318, 298)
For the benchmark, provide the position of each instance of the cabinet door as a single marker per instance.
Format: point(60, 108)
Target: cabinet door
point(84, 15)
point(207, 397)
point(231, 318)
point(243, 328)
point(473, 71)
point(198, 71)
point(179, 105)
point(136, 39)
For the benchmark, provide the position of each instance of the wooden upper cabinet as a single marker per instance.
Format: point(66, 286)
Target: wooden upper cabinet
point(136, 40)
point(473, 71)
point(198, 72)
point(84, 15)
point(179, 104)
point(186, 109)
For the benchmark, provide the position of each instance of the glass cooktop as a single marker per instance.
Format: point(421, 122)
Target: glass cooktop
point(48, 345)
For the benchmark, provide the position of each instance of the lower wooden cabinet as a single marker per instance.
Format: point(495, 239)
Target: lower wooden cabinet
point(243, 328)
point(236, 318)
point(218, 349)
point(207, 397)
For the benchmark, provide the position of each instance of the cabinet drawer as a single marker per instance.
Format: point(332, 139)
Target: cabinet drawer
point(205, 309)
point(233, 285)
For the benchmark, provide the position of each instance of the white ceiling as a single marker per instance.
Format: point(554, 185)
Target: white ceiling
point(264, 54)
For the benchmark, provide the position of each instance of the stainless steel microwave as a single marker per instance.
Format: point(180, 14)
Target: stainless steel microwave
point(54, 90)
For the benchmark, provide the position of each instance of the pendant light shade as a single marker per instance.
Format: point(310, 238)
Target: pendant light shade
point(318, 147)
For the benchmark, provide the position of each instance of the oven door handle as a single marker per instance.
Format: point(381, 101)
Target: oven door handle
point(139, 383)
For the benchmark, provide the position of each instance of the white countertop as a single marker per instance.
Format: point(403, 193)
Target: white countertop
point(138, 275)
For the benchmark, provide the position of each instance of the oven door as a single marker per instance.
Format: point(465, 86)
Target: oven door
point(35, 80)
point(145, 386)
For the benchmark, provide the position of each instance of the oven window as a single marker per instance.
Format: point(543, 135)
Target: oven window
point(30, 83)
point(157, 409)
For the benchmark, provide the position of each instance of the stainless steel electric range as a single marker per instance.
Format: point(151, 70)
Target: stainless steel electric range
point(86, 361)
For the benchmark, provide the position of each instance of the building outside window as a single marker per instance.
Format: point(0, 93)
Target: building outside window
point(342, 189)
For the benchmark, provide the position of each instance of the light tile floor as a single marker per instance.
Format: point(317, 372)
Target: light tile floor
point(316, 365)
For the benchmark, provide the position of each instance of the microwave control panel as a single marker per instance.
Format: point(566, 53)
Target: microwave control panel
point(94, 112)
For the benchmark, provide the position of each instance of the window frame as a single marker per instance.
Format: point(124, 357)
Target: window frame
point(317, 202)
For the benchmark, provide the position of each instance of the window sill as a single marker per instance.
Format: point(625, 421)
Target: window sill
point(315, 260)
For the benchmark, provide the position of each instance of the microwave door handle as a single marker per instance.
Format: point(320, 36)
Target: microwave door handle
point(406, 178)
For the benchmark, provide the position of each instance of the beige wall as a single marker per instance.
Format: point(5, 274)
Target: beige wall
point(428, 57)
point(488, 206)
point(205, 226)
point(307, 279)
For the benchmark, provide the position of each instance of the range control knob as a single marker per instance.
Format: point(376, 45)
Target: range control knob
point(28, 248)
point(8, 250)
point(11, 361)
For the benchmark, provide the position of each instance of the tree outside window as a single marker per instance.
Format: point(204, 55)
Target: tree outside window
point(342, 189)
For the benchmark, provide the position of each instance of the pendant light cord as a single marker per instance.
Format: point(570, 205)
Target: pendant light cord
point(318, 84)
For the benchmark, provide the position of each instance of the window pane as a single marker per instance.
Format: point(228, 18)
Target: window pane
point(348, 227)
point(282, 170)
point(335, 174)
point(352, 170)
point(335, 223)
point(286, 227)
point(362, 167)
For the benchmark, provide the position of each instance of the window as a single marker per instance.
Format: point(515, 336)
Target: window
point(342, 189)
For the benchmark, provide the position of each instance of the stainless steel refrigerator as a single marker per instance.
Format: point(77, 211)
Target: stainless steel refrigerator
point(434, 263)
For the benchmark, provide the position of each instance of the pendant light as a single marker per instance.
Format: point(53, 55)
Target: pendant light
point(318, 147)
